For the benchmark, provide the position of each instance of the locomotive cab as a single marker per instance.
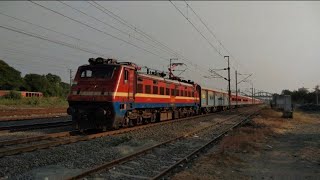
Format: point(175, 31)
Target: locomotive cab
point(100, 93)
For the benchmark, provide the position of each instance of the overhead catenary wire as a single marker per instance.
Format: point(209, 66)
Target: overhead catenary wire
point(196, 29)
point(29, 46)
point(141, 32)
point(57, 32)
point(10, 28)
point(125, 23)
point(98, 30)
point(52, 58)
point(211, 32)
point(196, 66)
point(107, 24)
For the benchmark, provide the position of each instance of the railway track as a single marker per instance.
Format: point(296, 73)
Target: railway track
point(17, 146)
point(35, 126)
point(156, 161)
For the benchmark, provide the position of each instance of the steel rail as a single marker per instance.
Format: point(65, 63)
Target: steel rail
point(55, 141)
point(35, 126)
point(36, 138)
point(37, 116)
point(215, 139)
point(108, 165)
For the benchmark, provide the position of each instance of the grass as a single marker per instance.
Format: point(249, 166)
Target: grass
point(34, 102)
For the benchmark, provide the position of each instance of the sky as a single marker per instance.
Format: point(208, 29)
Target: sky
point(276, 42)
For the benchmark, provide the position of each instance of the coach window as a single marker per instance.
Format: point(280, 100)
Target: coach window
point(161, 90)
point(155, 89)
point(177, 92)
point(147, 89)
point(186, 93)
point(172, 92)
point(126, 76)
point(189, 94)
point(167, 91)
point(140, 88)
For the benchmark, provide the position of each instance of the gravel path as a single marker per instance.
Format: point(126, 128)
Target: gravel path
point(71, 158)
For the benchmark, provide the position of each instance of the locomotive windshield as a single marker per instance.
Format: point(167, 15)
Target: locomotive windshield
point(105, 72)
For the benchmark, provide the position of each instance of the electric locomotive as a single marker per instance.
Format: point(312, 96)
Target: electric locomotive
point(109, 94)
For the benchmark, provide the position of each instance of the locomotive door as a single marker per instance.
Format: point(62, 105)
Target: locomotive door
point(130, 83)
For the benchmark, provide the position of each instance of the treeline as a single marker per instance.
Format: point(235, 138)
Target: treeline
point(49, 85)
point(303, 95)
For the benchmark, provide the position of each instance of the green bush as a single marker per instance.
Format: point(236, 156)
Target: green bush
point(13, 95)
point(33, 101)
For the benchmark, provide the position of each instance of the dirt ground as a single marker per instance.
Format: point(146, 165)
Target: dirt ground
point(29, 113)
point(269, 147)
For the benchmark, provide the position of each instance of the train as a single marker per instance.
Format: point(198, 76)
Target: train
point(23, 93)
point(107, 94)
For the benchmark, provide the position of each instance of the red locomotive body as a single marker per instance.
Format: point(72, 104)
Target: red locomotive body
point(110, 94)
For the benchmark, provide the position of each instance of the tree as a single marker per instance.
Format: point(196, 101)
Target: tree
point(49, 85)
point(36, 82)
point(10, 78)
point(286, 92)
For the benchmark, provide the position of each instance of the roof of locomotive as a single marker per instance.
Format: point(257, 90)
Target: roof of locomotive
point(164, 79)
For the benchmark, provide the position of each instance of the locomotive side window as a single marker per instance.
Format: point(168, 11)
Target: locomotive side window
point(172, 92)
point(181, 94)
point(126, 75)
point(186, 93)
point(140, 88)
point(147, 89)
point(162, 90)
point(167, 91)
point(155, 89)
point(177, 92)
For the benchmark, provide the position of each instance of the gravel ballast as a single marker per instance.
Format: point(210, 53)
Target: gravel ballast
point(71, 158)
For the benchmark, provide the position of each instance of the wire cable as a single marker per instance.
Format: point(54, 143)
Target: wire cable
point(196, 29)
point(10, 28)
point(60, 33)
point(210, 31)
point(103, 32)
point(111, 26)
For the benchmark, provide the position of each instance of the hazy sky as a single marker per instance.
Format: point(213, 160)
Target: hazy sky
point(276, 41)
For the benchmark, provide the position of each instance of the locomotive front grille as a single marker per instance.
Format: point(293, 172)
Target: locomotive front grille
point(92, 115)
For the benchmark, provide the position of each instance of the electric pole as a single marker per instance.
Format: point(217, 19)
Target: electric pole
point(70, 71)
point(317, 92)
point(254, 96)
point(236, 89)
point(252, 93)
point(229, 88)
point(170, 67)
